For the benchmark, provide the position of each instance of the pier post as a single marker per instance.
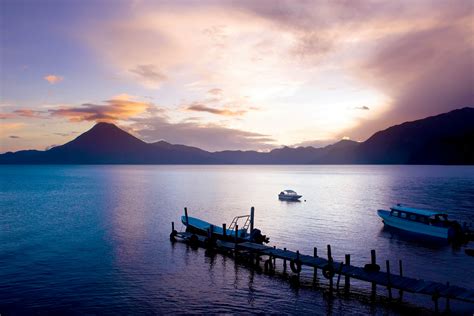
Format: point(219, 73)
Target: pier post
point(298, 260)
point(224, 230)
point(330, 263)
point(284, 263)
point(186, 216)
point(373, 261)
point(274, 259)
point(315, 272)
point(435, 299)
point(235, 241)
point(172, 226)
point(339, 276)
point(389, 288)
point(252, 215)
point(400, 267)
point(347, 280)
point(448, 305)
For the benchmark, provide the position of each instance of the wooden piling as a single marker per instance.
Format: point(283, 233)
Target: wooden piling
point(284, 263)
point(186, 216)
point(224, 230)
point(339, 276)
point(315, 271)
point(389, 288)
point(298, 260)
point(347, 280)
point(235, 240)
point(274, 259)
point(400, 267)
point(435, 299)
point(252, 215)
point(330, 263)
point(373, 261)
point(172, 226)
point(448, 304)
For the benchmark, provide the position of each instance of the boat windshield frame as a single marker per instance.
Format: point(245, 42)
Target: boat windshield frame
point(421, 212)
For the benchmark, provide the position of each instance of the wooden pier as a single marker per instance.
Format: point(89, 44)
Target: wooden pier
point(330, 269)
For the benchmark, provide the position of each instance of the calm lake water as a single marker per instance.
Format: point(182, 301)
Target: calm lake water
point(95, 239)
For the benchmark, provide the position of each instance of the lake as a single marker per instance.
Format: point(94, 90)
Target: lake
point(95, 239)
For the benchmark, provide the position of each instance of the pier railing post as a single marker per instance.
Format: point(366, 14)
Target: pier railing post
point(389, 287)
point(347, 280)
point(373, 261)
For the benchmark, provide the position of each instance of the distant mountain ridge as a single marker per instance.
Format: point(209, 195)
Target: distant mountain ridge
point(442, 139)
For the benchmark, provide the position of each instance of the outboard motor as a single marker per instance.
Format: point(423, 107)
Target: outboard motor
point(257, 237)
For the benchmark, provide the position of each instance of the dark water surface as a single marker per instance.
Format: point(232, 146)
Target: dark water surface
point(95, 239)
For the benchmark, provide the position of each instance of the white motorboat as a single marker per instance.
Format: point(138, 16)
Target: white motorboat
point(426, 222)
point(289, 195)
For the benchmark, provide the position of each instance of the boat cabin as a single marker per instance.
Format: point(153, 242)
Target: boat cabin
point(427, 217)
point(288, 192)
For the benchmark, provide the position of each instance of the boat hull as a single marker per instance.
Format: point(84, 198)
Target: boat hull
point(200, 227)
point(289, 197)
point(414, 227)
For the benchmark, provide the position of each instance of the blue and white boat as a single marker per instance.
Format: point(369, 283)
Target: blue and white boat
point(242, 226)
point(425, 222)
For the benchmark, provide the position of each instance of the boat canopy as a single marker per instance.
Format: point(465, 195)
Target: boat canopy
point(288, 192)
point(412, 210)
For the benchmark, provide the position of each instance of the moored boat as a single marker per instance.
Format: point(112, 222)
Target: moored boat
point(289, 195)
point(425, 222)
point(242, 225)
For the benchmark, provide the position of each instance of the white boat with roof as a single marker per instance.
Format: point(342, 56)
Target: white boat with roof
point(426, 222)
point(289, 195)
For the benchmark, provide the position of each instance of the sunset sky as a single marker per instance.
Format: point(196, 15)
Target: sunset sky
point(229, 74)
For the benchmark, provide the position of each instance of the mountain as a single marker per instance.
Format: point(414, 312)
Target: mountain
point(107, 144)
point(442, 139)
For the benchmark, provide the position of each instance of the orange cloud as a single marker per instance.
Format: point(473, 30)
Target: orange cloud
point(4, 116)
point(113, 110)
point(53, 79)
point(28, 113)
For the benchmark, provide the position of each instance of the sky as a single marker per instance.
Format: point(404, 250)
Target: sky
point(250, 75)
